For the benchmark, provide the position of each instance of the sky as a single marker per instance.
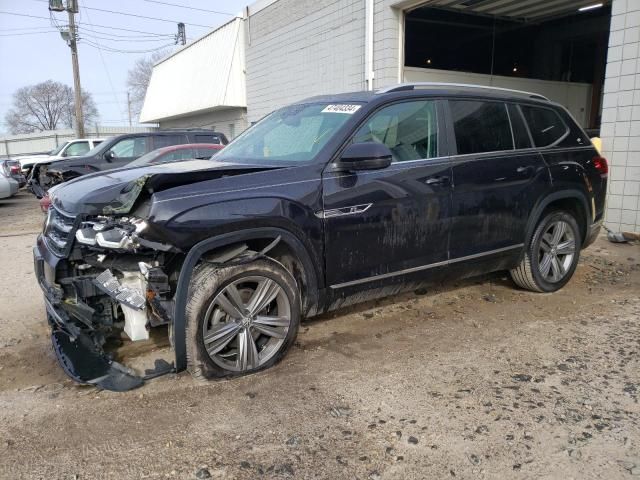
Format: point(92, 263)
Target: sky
point(32, 50)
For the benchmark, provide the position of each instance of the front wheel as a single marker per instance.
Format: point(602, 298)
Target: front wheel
point(241, 318)
point(552, 254)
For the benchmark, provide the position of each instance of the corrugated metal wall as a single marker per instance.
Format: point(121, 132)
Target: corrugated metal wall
point(42, 142)
point(209, 73)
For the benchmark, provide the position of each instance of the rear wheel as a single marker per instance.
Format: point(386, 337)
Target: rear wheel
point(240, 319)
point(552, 254)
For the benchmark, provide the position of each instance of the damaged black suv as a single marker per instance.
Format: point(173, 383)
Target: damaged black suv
point(330, 201)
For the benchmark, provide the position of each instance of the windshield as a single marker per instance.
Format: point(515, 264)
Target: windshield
point(57, 150)
point(293, 134)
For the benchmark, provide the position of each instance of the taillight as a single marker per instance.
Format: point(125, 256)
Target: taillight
point(15, 170)
point(601, 166)
point(45, 203)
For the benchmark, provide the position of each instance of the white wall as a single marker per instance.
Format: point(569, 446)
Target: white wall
point(300, 48)
point(620, 129)
point(43, 142)
point(221, 120)
point(575, 96)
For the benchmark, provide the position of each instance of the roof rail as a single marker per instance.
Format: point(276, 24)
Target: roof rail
point(414, 85)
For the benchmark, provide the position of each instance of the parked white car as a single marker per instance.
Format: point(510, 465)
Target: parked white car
point(74, 148)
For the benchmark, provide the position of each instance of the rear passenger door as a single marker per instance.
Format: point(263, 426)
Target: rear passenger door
point(497, 178)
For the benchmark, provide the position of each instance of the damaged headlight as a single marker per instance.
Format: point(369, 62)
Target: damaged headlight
point(107, 232)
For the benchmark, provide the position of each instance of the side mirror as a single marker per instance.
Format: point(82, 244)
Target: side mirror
point(365, 156)
point(109, 156)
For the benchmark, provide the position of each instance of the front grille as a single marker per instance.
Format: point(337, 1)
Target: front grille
point(59, 231)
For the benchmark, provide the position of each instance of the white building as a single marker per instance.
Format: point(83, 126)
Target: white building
point(279, 51)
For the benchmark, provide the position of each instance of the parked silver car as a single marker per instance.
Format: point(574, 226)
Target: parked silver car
point(8, 185)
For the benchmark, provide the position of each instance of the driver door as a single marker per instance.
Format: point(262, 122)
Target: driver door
point(385, 226)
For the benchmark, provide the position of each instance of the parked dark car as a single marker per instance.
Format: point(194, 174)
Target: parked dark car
point(113, 153)
point(177, 153)
point(327, 202)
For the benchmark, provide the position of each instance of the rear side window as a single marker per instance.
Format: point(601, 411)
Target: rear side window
point(481, 126)
point(545, 125)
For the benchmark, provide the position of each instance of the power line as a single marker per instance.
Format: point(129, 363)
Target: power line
point(113, 35)
point(130, 40)
point(190, 8)
point(145, 17)
point(23, 15)
point(24, 28)
point(106, 70)
point(26, 33)
point(116, 50)
point(93, 25)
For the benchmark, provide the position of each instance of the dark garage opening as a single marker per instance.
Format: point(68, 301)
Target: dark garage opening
point(569, 46)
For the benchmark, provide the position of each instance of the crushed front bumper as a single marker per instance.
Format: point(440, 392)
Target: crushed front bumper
point(77, 353)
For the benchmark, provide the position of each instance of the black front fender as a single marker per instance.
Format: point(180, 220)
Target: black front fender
point(198, 250)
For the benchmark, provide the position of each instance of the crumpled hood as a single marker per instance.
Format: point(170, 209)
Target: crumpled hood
point(116, 191)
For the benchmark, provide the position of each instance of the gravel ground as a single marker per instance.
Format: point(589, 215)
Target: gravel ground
point(469, 380)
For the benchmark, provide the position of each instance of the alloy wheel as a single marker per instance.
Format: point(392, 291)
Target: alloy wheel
point(246, 323)
point(557, 251)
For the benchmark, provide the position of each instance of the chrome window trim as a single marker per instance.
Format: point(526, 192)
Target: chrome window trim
point(423, 267)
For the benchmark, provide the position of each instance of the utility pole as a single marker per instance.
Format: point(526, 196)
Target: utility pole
point(182, 34)
point(129, 107)
point(72, 41)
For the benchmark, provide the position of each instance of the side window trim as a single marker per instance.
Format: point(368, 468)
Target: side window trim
point(513, 137)
point(526, 125)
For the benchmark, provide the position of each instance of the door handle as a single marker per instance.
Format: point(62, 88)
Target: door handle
point(528, 169)
point(437, 181)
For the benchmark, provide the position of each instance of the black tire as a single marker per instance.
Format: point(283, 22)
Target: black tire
point(528, 274)
point(207, 282)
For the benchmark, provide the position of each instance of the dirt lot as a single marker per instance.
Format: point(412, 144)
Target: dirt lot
point(472, 380)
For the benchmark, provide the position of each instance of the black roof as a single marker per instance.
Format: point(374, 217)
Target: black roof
point(426, 88)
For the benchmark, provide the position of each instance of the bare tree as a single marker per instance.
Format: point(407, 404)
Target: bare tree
point(47, 106)
point(138, 79)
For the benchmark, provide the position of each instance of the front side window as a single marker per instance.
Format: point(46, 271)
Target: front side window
point(130, 147)
point(76, 149)
point(58, 149)
point(481, 126)
point(545, 125)
point(409, 129)
point(293, 134)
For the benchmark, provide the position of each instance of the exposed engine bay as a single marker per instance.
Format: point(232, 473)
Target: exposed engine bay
point(98, 292)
